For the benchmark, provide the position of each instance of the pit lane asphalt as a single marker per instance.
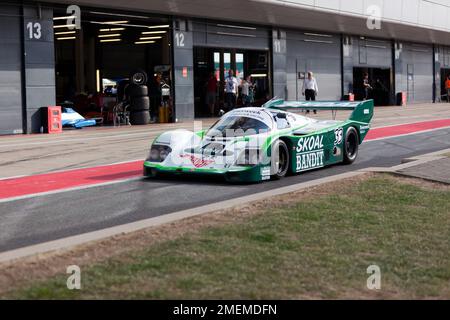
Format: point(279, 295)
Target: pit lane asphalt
point(41, 219)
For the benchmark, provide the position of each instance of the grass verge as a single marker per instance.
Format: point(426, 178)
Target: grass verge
point(319, 247)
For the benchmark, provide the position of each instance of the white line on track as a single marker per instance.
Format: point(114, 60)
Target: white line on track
point(47, 193)
point(74, 169)
point(408, 134)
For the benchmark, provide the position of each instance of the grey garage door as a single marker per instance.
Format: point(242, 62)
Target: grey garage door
point(10, 70)
point(230, 35)
point(414, 72)
point(319, 53)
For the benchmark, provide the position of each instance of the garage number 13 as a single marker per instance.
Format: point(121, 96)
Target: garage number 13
point(34, 30)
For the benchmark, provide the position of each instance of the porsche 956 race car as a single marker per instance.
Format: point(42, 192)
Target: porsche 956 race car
point(257, 144)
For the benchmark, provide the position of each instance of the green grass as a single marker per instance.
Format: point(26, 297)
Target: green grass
point(319, 248)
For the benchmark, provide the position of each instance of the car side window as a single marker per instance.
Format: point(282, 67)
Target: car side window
point(282, 123)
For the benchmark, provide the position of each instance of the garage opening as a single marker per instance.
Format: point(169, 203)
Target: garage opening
point(445, 73)
point(94, 63)
point(211, 67)
point(379, 80)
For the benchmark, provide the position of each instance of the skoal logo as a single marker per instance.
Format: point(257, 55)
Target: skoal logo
point(310, 144)
point(310, 153)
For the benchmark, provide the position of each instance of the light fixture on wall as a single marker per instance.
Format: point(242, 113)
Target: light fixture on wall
point(97, 73)
point(259, 75)
point(110, 35)
point(112, 29)
point(64, 18)
point(66, 38)
point(150, 38)
point(154, 32)
point(64, 32)
point(159, 27)
point(110, 40)
point(144, 42)
point(115, 22)
point(64, 26)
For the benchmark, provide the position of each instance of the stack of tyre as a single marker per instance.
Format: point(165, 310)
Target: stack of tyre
point(139, 99)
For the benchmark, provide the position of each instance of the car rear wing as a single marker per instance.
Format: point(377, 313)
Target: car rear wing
point(362, 110)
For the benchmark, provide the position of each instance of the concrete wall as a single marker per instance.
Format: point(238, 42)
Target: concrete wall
point(423, 13)
point(316, 52)
point(183, 69)
point(10, 70)
point(39, 64)
point(414, 71)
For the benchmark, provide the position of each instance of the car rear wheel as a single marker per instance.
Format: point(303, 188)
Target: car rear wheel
point(279, 160)
point(351, 146)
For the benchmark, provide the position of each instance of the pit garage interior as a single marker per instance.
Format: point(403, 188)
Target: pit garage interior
point(94, 63)
point(219, 47)
point(442, 71)
point(363, 55)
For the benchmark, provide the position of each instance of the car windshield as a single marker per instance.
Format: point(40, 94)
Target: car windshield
point(237, 127)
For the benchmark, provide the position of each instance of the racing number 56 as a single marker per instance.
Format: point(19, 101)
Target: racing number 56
point(339, 136)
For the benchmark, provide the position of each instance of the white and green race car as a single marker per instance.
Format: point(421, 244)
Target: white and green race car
point(258, 144)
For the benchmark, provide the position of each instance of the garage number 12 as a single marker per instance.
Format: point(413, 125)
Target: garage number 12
point(34, 30)
point(179, 37)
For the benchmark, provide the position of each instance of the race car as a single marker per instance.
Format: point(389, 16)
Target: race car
point(71, 118)
point(250, 145)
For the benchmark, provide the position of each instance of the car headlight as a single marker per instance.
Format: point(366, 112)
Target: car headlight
point(159, 153)
point(249, 157)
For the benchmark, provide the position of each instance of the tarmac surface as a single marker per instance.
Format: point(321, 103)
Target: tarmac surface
point(437, 170)
point(45, 218)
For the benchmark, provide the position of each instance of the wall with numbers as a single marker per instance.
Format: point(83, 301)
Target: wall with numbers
point(39, 63)
point(10, 70)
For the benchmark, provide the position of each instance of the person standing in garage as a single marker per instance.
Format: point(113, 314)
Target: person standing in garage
point(247, 92)
point(310, 88)
point(211, 93)
point(447, 87)
point(231, 90)
point(367, 86)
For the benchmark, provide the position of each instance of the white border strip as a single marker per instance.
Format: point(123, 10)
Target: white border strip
point(407, 134)
point(83, 187)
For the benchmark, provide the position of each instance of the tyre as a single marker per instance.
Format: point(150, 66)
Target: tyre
point(138, 77)
point(279, 160)
point(351, 146)
point(139, 118)
point(140, 104)
point(137, 91)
